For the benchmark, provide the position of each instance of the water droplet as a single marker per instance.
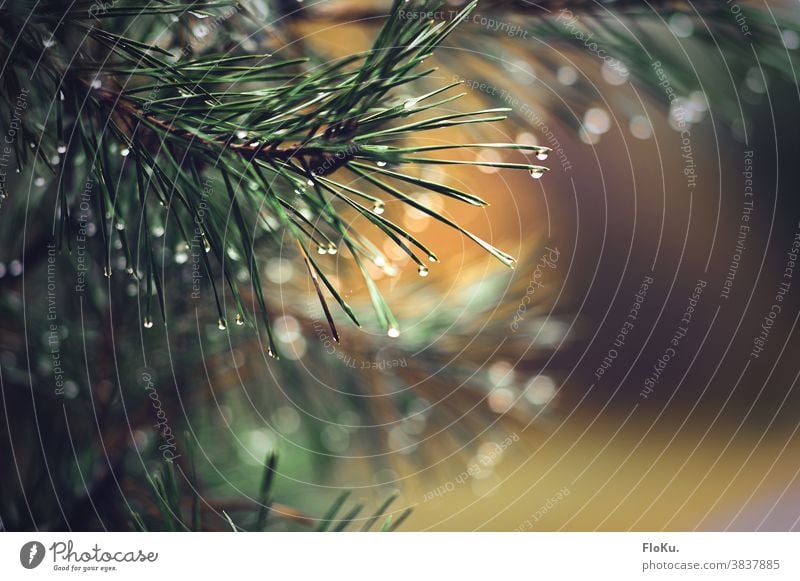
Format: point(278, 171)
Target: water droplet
point(541, 156)
point(379, 261)
point(597, 120)
point(332, 249)
point(432, 258)
point(567, 75)
point(61, 148)
point(378, 207)
point(148, 322)
point(791, 40)
point(239, 319)
point(241, 134)
point(96, 84)
point(380, 163)
point(393, 332)
point(322, 250)
point(681, 25)
point(206, 244)
point(61, 95)
point(221, 324)
point(48, 42)
point(39, 182)
point(410, 104)
point(640, 127)
point(107, 272)
point(125, 151)
point(55, 160)
point(310, 183)
point(536, 173)
point(423, 271)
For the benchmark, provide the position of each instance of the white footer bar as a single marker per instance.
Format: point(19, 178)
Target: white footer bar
point(390, 556)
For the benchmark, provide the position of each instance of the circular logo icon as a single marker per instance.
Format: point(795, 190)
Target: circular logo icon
point(31, 554)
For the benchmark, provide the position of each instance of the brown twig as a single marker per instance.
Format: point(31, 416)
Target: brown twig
point(269, 151)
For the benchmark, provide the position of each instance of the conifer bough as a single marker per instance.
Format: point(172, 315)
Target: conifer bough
point(236, 150)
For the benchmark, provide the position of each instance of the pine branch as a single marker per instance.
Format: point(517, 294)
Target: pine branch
point(277, 147)
point(629, 36)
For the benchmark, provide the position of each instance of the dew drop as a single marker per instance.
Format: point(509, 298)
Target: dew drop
point(432, 258)
point(332, 249)
point(181, 257)
point(410, 104)
point(536, 173)
point(310, 183)
point(322, 250)
point(541, 156)
point(378, 207)
point(39, 182)
point(423, 271)
point(221, 324)
point(49, 42)
point(124, 152)
point(148, 323)
point(393, 332)
point(61, 148)
point(206, 244)
point(241, 134)
point(239, 319)
point(380, 163)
